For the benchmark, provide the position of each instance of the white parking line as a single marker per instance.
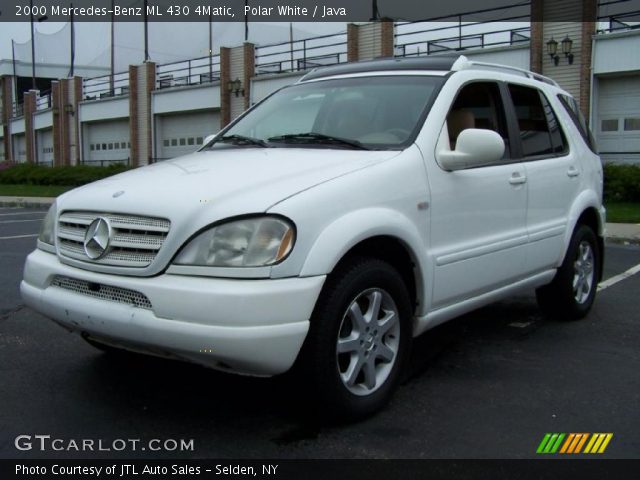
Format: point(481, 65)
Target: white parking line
point(22, 213)
point(18, 236)
point(20, 221)
point(618, 278)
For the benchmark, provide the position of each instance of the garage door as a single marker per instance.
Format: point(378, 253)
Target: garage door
point(45, 146)
point(106, 142)
point(20, 148)
point(181, 134)
point(618, 127)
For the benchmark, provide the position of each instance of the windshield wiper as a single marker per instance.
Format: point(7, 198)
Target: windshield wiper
point(243, 140)
point(317, 138)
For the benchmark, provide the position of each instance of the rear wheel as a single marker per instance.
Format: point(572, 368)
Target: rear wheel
point(571, 294)
point(359, 339)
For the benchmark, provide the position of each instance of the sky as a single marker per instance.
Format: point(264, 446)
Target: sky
point(167, 41)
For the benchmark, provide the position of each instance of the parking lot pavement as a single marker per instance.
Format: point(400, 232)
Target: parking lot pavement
point(487, 385)
point(18, 232)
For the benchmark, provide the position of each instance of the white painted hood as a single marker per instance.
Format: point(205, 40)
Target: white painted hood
point(199, 189)
point(242, 180)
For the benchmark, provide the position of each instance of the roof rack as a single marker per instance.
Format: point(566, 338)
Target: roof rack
point(436, 62)
point(463, 63)
point(432, 63)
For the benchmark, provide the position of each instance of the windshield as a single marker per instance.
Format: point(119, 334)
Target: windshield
point(382, 112)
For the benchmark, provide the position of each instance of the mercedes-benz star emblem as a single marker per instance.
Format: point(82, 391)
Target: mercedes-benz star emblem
point(97, 238)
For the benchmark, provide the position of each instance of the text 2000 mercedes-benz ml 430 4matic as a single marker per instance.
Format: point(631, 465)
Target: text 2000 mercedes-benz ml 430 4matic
point(332, 223)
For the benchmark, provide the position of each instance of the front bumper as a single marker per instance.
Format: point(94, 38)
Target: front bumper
point(254, 327)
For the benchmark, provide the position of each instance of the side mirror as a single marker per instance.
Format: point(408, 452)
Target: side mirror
point(208, 139)
point(474, 148)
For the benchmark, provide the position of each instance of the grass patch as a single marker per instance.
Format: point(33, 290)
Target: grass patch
point(623, 212)
point(33, 190)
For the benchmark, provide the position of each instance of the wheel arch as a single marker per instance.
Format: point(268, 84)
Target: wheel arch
point(377, 233)
point(586, 211)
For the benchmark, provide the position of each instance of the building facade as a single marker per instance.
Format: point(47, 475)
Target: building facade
point(155, 112)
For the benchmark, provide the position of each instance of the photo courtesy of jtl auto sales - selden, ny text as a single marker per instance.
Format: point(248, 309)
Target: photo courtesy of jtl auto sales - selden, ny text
point(320, 239)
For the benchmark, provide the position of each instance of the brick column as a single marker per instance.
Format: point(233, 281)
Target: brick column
point(249, 71)
point(6, 86)
point(370, 40)
point(387, 35)
point(57, 108)
point(237, 63)
point(225, 76)
point(65, 97)
point(537, 45)
point(352, 42)
point(142, 81)
point(575, 19)
point(29, 136)
point(75, 93)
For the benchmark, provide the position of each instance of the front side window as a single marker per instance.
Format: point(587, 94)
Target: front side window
point(381, 112)
point(478, 105)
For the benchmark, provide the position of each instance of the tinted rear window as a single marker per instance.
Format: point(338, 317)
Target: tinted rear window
point(572, 108)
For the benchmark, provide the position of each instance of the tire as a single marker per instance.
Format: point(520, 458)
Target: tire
point(572, 292)
point(365, 308)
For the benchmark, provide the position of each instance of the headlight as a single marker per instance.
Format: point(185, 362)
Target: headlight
point(47, 230)
point(253, 242)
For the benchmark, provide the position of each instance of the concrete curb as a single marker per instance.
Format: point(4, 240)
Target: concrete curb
point(26, 202)
point(624, 233)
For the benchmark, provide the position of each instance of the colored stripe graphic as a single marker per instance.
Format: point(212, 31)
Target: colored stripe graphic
point(573, 443)
point(543, 443)
point(598, 442)
point(550, 443)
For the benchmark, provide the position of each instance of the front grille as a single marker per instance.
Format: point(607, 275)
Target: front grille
point(135, 240)
point(103, 292)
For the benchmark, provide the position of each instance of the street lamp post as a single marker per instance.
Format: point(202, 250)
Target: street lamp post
point(33, 50)
point(33, 45)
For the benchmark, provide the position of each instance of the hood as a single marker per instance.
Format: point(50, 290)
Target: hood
point(207, 186)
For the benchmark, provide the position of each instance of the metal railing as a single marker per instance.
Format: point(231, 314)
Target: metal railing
point(17, 109)
point(105, 86)
point(43, 101)
point(494, 38)
point(195, 71)
point(302, 54)
point(457, 33)
point(616, 15)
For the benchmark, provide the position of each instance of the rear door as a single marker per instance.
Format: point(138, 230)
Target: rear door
point(552, 172)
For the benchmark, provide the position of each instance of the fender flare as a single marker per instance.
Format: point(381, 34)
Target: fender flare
point(587, 199)
point(345, 232)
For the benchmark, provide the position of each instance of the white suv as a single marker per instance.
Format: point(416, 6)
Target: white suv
point(333, 222)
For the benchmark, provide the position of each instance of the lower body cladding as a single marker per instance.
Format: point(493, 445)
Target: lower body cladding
point(253, 327)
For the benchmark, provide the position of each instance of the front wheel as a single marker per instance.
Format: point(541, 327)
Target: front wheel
point(572, 292)
point(359, 339)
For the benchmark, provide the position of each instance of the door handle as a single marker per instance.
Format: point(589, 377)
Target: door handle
point(573, 172)
point(517, 179)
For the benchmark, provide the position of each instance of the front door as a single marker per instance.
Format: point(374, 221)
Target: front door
point(478, 216)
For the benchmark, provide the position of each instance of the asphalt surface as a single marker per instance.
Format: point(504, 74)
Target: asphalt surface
point(487, 385)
